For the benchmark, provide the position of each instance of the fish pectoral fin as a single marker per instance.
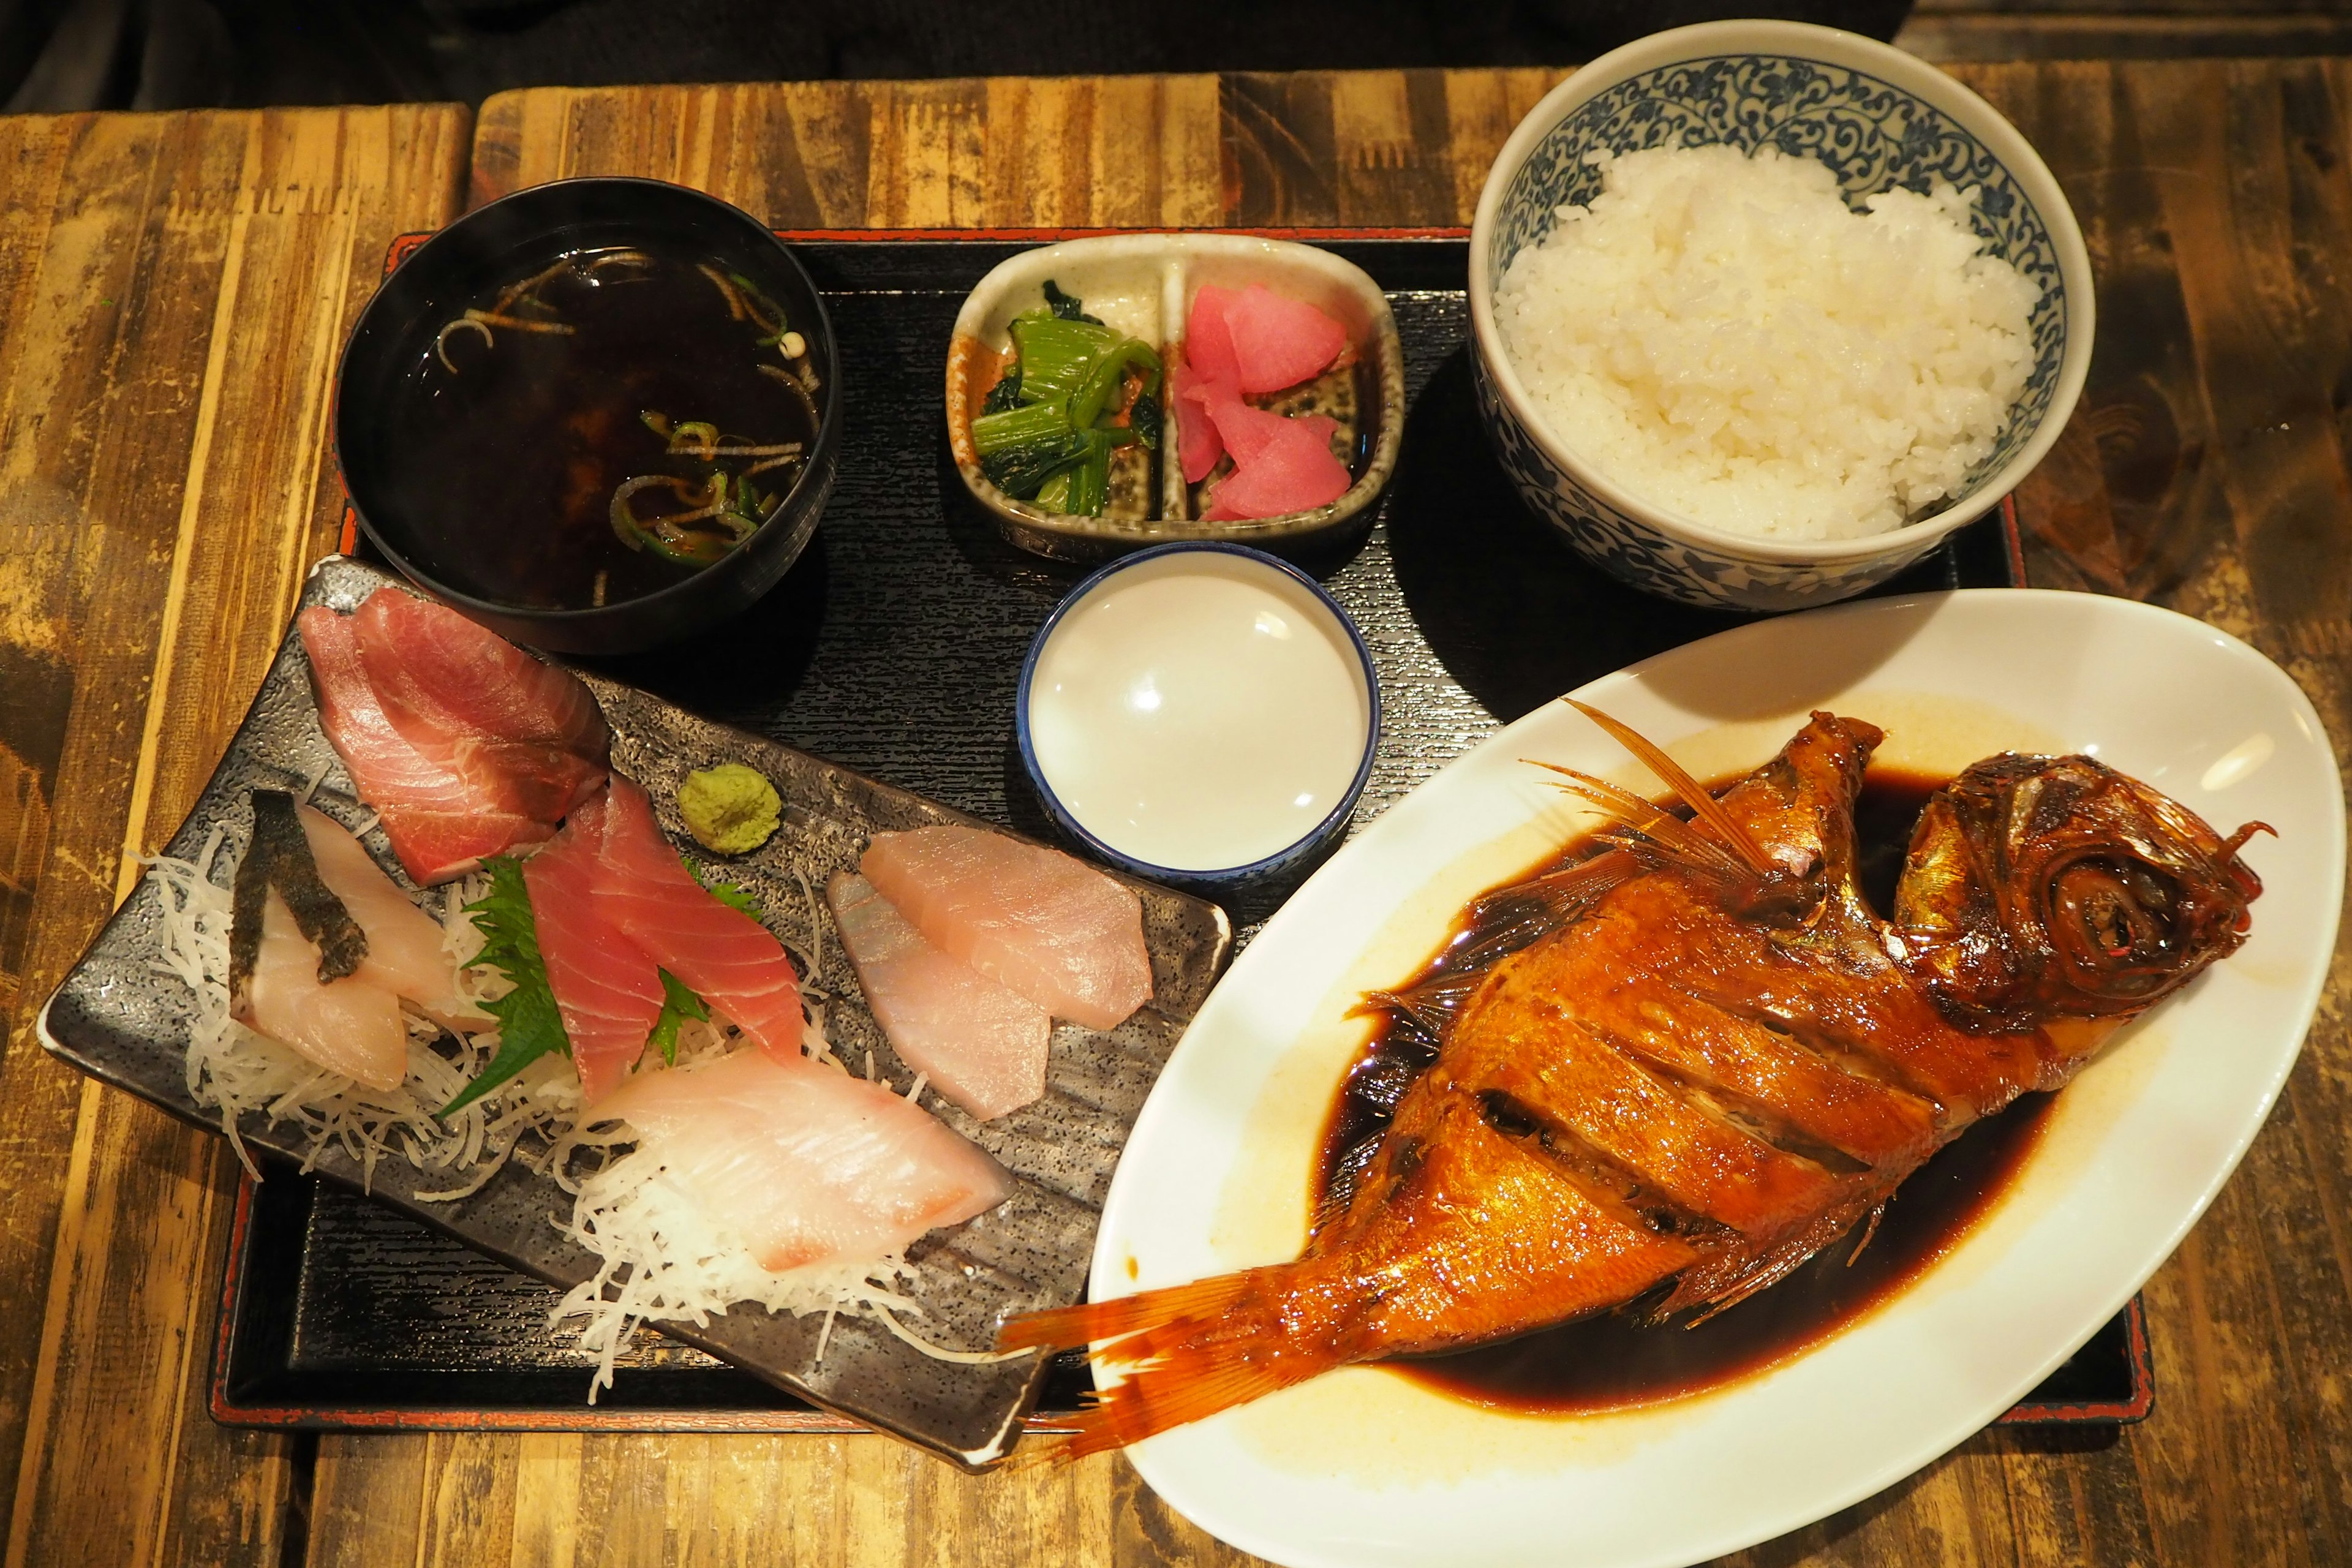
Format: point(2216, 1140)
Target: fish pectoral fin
point(1729, 1276)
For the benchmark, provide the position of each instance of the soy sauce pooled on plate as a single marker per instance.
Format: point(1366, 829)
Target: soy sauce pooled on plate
point(599, 430)
point(1617, 1360)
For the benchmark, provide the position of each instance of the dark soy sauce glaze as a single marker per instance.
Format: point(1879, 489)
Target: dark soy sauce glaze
point(505, 468)
point(1611, 1361)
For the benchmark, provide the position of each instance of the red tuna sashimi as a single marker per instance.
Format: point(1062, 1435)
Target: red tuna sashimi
point(607, 991)
point(1278, 341)
point(346, 1025)
point(732, 961)
point(1288, 467)
point(440, 825)
point(406, 952)
point(982, 1043)
point(1059, 932)
point(806, 1163)
point(513, 728)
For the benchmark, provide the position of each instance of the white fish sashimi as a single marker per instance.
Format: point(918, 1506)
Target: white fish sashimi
point(406, 952)
point(806, 1163)
point(346, 1025)
point(982, 1043)
point(1052, 928)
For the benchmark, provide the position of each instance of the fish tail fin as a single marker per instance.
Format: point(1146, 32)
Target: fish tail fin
point(1062, 1326)
point(1186, 1353)
point(1182, 1388)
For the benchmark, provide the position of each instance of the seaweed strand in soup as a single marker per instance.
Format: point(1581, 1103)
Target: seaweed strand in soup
point(599, 430)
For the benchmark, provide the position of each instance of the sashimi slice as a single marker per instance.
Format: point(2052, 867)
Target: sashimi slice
point(406, 953)
point(434, 667)
point(982, 1043)
point(1057, 932)
point(607, 991)
point(439, 826)
point(728, 958)
point(1278, 341)
point(1293, 470)
point(346, 1025)
point(521, 733)
point(805, 1162)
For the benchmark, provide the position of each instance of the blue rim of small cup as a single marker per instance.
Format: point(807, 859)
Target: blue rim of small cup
point(1230, 878)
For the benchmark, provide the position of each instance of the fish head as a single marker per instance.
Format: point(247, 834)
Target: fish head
point(2047, 888)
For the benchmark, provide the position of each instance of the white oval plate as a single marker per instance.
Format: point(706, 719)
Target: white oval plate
point(1360, 1467)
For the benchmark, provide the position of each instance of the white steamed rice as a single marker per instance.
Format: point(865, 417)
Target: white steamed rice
point(1723, 337)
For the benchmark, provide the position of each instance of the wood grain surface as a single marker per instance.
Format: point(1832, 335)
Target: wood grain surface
point(174, 290)
point(160, 485)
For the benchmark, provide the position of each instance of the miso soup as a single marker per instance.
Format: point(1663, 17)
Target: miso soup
point(599, 430)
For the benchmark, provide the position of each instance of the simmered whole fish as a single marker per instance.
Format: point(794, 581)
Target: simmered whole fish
point(1677, 1069)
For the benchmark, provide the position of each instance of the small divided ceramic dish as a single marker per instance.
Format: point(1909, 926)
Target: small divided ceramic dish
point(1200, 714)
point(118, 1017)
point(1880, 119)
point(1143, 285)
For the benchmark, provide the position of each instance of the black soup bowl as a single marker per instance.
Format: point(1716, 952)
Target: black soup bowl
point(484, 435)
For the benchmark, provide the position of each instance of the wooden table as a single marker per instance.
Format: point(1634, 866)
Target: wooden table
point(172, 290)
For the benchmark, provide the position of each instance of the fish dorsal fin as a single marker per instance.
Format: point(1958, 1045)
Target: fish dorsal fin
point(1647, 826)
point(1688, 790)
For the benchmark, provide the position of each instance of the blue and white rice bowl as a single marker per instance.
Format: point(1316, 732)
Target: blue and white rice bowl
point(1200, 714)
point(1880, 119)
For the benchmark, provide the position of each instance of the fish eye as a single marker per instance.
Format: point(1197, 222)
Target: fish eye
point(2112, 911)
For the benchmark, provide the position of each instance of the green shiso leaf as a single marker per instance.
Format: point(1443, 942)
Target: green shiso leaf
point(678, 1003)
point(529, 1027)
point(739, 900)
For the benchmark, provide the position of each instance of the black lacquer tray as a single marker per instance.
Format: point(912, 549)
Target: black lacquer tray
point(892, 649)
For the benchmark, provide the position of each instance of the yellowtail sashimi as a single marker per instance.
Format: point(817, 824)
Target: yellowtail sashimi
point(1057, 931)
point(806, 1163)
point(345, 1025)
point(406, 954)
point(982, 1043)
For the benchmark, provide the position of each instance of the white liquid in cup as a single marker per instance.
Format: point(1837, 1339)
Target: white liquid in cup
point(1201, 712)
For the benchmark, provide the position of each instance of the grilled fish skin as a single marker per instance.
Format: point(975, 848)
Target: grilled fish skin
point(1698, 1056)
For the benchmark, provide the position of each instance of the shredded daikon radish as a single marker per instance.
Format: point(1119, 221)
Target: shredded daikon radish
point(661, 1256)
point(234, 1070)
